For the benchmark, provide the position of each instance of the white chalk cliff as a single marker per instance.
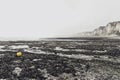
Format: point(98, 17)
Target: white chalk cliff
point(111, 29)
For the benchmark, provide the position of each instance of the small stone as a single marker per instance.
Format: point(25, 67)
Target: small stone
point(32, 67)
point(17, 61)
point(2, 55)
point(17, 71)
point(36, 59)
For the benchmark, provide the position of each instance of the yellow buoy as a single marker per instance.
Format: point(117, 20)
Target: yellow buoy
point(19, 54)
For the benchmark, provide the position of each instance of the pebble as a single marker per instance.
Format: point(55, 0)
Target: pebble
point(36, 59)
point(17, 71)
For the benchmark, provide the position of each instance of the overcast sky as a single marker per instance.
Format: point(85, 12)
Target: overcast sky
point(53, 18)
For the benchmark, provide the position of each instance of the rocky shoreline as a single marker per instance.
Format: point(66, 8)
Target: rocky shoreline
point(51, 67)
point(60, 60)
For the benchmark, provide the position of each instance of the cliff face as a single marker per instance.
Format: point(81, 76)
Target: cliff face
point(111, 29)
point(100, 31)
